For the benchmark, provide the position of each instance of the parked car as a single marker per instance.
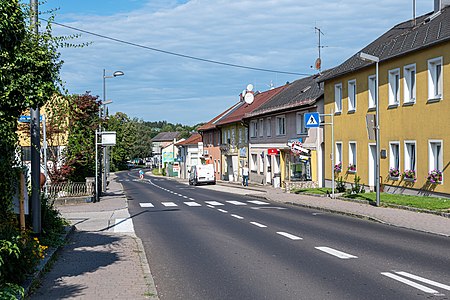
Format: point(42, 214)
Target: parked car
point(202, 174)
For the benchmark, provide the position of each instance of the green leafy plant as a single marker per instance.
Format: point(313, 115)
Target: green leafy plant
point(340, 184)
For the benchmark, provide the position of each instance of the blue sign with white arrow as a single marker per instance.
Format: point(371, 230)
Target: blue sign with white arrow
point(312, 120)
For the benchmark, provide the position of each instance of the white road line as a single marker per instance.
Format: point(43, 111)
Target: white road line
point(185, 197)
point(222, 210)
point(258, 224)
point(237, 217)
point(424, 280)
point(210, 206)
point(257, 202)
point(146, 204)
point(236, 203)
point(336, 253)
point(191, 199)
point(289, 236)
point(168, 204)
point(214, 203)
point(192, 204)
point(410, 283)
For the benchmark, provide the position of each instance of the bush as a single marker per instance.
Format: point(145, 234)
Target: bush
point(340, 184)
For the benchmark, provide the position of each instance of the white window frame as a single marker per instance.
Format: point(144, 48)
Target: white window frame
point(352, 153)
point(372, 90)
point(254, 161)
point(394, 155)
point(408, 158)
point(352, 95)
point(435, 160)
point(410, 82)
point(280, 132)
point(435, 80)
point(253, 129)
point(338, 98)
point(338, 153)
point(300, 123)
point(261, 128)
point(394, 87)
point(269, 127)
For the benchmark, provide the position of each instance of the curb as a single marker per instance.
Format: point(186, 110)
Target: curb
point(50, 257)
point(148, 277)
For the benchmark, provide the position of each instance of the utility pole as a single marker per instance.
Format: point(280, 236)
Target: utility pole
point(318, 64)
point(35, 142)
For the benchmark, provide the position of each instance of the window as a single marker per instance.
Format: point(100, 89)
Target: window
point(338, 97)
point(253, 129)
point(301, 123)
point(281, 125)
point(338, 154)
point(253, 162)
point(352, 95)
point(410, 84)
point(372, 91)
point(435, 78)
point(261, 163)
point(394, 87)
point(240, 136)
point(410, 155)
point(435, 159)
point(261, 127)
point(394, 156)
point(352, 154)
point(269, 126)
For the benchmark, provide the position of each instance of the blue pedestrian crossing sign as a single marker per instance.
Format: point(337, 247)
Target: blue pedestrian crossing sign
point(312, 120)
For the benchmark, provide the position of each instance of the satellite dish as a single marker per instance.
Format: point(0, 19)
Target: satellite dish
point(250, 87)
point(249, 98)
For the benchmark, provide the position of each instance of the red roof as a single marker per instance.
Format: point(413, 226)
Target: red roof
point(260, 98)
point(212, 124)
point(192, 140)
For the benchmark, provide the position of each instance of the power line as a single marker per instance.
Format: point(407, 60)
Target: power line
point(174, 53)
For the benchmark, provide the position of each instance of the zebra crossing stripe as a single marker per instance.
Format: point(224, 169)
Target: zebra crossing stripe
point(236, 202)
point(168, 204)
point(146, 204)
point(257, 202)
point(214, 203)
point(191, 203)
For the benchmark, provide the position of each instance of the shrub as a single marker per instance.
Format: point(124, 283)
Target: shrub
point(340, 184)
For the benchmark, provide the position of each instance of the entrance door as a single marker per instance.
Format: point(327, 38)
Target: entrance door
point(372, 164)
point(269, 169)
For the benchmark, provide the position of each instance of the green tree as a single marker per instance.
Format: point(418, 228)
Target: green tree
point(142, 146)
point(125, 137)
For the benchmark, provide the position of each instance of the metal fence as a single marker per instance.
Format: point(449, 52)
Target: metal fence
point(70, 189)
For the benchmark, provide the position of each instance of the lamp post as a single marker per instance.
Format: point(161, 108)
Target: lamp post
point(376, 60)
point(99, 132)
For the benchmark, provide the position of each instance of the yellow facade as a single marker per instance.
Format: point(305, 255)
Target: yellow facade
point(423, 123)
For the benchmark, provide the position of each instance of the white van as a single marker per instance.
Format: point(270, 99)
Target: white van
point(202, 174)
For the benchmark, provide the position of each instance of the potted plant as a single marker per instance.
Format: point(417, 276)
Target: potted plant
point(434, 176)
point(409, 175)
point(338, 167)
point(394, 173)
point(351, 168)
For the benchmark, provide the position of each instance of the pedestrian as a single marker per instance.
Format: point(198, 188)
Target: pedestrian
point(141, 174)
point(245, 175)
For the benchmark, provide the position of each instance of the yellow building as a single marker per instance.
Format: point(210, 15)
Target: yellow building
point(414, 109)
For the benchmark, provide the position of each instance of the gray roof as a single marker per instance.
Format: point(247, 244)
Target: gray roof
point(304, 91)
point(165, 136)
point(430, 29)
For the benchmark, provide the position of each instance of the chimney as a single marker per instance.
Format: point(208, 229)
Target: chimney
point(440, 4)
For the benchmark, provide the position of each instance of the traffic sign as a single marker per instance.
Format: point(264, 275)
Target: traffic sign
point(312, 120)
point(27, 119)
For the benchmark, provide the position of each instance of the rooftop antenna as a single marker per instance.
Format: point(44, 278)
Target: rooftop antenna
point(318, 63)
point(414, 14)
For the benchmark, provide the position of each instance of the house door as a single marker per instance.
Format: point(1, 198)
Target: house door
point(269, 169)
point(372, 164)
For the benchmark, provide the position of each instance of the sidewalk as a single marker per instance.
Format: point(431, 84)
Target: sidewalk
point(103, 259)
point(405, 218)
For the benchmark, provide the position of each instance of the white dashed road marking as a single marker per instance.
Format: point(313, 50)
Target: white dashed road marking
point(237, 217)
point(424, 280)
point(191, 199)
point(192, 204)
point(214, 203)
point(336, 253)
point(258, 224)
point(146, 204)
point(410, 283)
point(222, 210)
point(289, 236)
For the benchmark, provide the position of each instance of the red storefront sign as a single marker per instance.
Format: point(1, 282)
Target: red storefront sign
point(273, 151)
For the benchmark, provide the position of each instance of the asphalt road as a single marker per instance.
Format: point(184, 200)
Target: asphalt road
point(202, 243)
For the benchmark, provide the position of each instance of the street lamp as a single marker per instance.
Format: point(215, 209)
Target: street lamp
point(104, 103)
point(376, 60)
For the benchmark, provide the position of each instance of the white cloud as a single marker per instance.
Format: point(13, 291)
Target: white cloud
point(263, 34)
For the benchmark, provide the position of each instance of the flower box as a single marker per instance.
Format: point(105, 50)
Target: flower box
point(394, 177)
point(407, 179)
point(338, 168)
point(435, 177)
point(351, 169)
point(409, 175)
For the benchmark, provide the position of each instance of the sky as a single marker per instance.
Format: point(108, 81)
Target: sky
point(135, 36)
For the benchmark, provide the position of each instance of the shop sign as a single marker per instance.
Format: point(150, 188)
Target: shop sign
point(273, 151)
